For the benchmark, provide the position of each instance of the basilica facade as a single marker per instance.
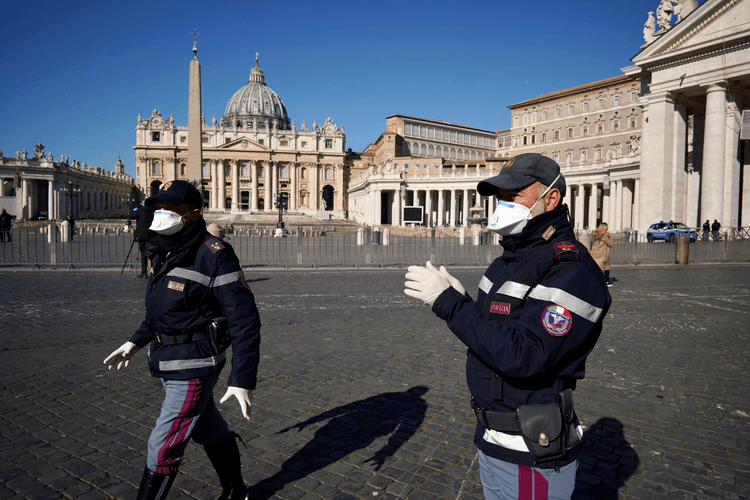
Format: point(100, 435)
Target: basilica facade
point(252, 153)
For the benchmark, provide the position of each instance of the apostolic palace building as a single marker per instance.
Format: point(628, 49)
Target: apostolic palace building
point(248, 156)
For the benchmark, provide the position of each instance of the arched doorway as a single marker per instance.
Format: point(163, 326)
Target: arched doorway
point(327, 198)
point(155, 186)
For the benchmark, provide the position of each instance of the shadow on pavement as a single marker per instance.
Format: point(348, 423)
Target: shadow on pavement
point(351, 427)
point(607, 460)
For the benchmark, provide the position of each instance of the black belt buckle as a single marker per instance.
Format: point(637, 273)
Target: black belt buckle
point(481, 416)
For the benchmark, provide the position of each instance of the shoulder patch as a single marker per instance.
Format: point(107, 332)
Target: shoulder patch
point(214, 244)
point(566, 251)
point(556, 320)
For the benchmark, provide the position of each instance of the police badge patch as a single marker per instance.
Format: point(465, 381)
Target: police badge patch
point(556, 320)
point(174, 285)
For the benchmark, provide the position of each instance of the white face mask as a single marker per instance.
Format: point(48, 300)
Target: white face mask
point(510, 218)
point(166, 222)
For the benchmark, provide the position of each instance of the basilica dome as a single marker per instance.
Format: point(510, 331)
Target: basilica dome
point(255, 103)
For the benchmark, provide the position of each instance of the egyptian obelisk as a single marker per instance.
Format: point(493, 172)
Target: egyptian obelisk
point(195, 142)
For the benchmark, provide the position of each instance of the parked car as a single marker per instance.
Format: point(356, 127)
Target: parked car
point(670, 231)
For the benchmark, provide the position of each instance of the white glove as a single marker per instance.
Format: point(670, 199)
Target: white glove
point(453, 281)
point(426, 283)
point(121, 356)
point(244, 396)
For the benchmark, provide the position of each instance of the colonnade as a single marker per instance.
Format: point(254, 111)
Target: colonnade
point(442, 207)
point(617, 205)
point(87, 201)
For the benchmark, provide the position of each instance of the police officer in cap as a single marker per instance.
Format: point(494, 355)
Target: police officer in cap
point(537, 316)
point(197, 301)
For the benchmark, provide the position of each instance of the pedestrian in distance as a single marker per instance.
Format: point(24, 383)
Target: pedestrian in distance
point(715, 227)
point(197, 304)
point(5, 225)
point(537, 316)
point(600, 249)
point(71, 226)
point(144, 216)
point(706, 230)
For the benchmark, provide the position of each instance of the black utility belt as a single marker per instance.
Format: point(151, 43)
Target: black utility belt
point(549, 430)
point(180, 338)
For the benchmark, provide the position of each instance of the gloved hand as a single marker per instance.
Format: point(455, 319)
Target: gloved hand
point(453, 281)
point(121, 356)
point(244, 396)
point(426, 283)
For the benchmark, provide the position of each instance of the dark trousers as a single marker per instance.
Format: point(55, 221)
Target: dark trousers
point(5, 233)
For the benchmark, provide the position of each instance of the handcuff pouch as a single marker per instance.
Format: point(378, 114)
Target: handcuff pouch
point(218, 334)
point(549, 429)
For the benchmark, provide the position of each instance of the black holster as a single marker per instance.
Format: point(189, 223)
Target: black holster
point(218, 334)
point(549, 430)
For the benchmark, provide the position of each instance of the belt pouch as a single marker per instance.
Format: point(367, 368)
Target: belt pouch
point(543, 431)
point(218, 334)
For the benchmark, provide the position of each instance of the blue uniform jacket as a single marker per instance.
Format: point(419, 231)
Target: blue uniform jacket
point(537, 316)
point(175, 304)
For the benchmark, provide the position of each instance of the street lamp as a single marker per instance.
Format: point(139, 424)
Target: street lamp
point(70, 192)
point(282, 203)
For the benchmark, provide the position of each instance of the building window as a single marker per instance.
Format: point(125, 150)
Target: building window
point(329, 143)
point(544, 115)
point(615, 100)
point(406, 166)
point(284, 174)
point(227, 171)
point(533, 139)
point(584, 106)
point(407, 128)
point(262, 172)
point(431, 150)
point(204, 170)
point(599, 128)
point(584, 131)
point(183, 139)
point(304, 145)
point(460, 137)
point(244, 170)
point(615, 126)
point(515, 121)
point(423, 131)
point(600, 103)
point(439, 134)
point(507, 142)
point(438, 151)
point(633, 97)
point(453, 153)
point(525, 119)
point(453, 136)
point(556, 135)
point(568, 157)
point(157, 168)
point(533, 117)
point(329, 174)
point(569, 133)
point(632, 123)
point(461, 154)
point(423, 150)
point(557, 113)
point(155, 136)
point(598, 154)
point(430, 133)
point(183, 169)
point(543, 137)
point(283, 143)
point(570, 109)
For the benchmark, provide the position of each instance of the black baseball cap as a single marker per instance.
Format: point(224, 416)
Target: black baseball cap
point(177, 193)
point(521, 171)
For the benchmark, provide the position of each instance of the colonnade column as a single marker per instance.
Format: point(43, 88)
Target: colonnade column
point(441, 207)
point(465, 218)
point(221, 171)
point(235, 186)
point(52, 209)
point(714, 140)
point(377, 203)
point(274, 181)
point(636, 203)
point(605, 206)
point(397, 201)
point(428, 206)
point(254, 185)
point(452, 219)
point(267, 199)
point(618, 206)
point(314, 174)
point(214, 185)
point(294, 186)
point(593, 205)
point(627, 206)
point(578, 219)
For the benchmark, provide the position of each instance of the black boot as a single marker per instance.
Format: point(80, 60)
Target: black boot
point(225, 457)
point(154, 486)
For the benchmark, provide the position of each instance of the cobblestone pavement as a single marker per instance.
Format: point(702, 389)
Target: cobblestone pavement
point(362, 391)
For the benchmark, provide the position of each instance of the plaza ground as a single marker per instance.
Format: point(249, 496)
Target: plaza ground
point(362, 394)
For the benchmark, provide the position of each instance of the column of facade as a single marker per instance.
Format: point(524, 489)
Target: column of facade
point(566, 199)
point(377, 204)
point(397, 203)
point(636, 203)
point(465, 217)
point(578, 221)
point(214, 184)
point(254, 185)
point(428, 207)
point(340, 192)
point(714, 140)
point(293, 186)
point(441, 207)
point(222, 171)
point(593, 205)
point(452, 216)
point(605, 206)
point(315, 186)
point(617, 222)
point(267, 198)
point(235, 186)
point(52, 209)
point(274, 181)
point(627, 205)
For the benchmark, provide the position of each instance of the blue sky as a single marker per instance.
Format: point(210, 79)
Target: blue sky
point(76, 74)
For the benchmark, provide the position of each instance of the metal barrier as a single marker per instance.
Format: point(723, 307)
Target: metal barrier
point(312, 247)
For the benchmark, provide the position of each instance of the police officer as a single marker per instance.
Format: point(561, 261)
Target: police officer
point(196, 285)
point(537, 316)
point(144, 216)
